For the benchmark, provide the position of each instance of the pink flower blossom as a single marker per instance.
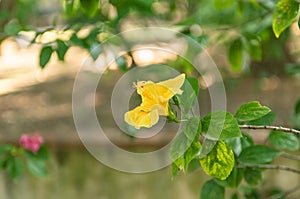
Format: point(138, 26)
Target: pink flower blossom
point(31, 143)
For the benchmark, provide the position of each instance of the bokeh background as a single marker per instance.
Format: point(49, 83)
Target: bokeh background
point(35, 98)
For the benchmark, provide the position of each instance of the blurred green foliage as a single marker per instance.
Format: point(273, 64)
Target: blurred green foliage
point(248, 29)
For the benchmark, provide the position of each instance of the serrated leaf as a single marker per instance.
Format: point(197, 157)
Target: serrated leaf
point(258, 154)
point(284, 14)
point(235, 55)
point(191, 91)
point(45, 55)
point(252, 176)
point(219, 162)
point(220, 125)
point(37, 167)
point(61, 50)
point(89, 7)
point(251, 111)
point(186, 146)
point(211, 190)
point(14, 167)
point(283, 140)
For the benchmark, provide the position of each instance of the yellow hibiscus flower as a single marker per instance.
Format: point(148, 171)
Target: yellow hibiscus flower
point(155, 101)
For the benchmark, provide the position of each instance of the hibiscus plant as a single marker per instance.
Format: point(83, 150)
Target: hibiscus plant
point(31, 152)
point(219, 142)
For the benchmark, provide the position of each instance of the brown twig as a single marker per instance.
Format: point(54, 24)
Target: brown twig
point(275, 128)
point(270, 166)
point(291, 156)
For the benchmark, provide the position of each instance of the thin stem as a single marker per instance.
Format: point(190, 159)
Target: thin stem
point(276, 128)
point(267, 166)
point(291, 156)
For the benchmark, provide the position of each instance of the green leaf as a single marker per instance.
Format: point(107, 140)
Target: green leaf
point(71, 7)
point(219, 162)
point(175, 169)
point(5, 148)
point(264, 120)
point(258, 154)
point(254, 47)
point(78, 42)
point(45, 55)
point(211, 190)
point(42, 153)
point(246, 141)
point(12, 28)
point(191, 91)
point(89, 7)
point(240, 143)
point(96, 50)
point(186, 146)
point(235, 55)
point(284, 14)
point(251, 111)
point(220, 125)
point(191, 153)
point(234, 179)
point(61, 50)
point(193, 165)
point(14, 167)
point(284, 140)
point(252, 176)
point(37, 167)
point(122, 64)
point(221, 4)
point(235, 144)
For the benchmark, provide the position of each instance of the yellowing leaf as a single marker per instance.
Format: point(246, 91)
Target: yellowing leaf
point(284, 14)
point(155, 101)
point(219, 162)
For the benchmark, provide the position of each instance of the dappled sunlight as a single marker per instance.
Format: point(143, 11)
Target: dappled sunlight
point(147, 55)
point(19, 66)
